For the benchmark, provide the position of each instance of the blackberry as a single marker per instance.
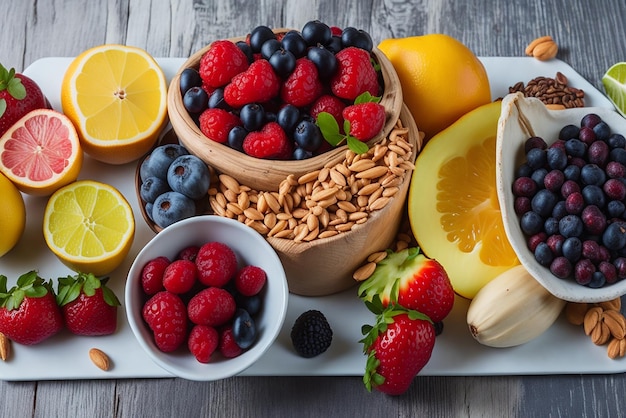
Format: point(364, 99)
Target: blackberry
point(311, 334)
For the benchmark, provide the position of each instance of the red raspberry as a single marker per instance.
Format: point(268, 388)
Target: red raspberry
point(180, 276)
point(336, 30)
point(212, 306)
point(271, 143)
point(228, 346)
point(366, 120)
point(303, 85)
point(355, 74)
point(217, 123)
point(329, 104)
point(152, 275)
point(259, 83)
point(188, 253)
point(203, 341)
point(221, 62)
point(166, 314)
point(217, 264)
point(250, 280)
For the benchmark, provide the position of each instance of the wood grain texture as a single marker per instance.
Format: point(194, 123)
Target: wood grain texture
point(590, 40)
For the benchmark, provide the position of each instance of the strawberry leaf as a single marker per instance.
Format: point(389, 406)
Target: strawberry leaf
point(16, 88)
point(3, 107)
point(3, 284)
point(109, 297)
point(366, 97)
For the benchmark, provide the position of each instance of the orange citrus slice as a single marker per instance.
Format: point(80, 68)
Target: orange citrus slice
point(116, 96)
point(453, 205)
point(41, 152)
point(89, 226)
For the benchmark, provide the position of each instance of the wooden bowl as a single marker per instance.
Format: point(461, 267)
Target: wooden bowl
point(267, 174)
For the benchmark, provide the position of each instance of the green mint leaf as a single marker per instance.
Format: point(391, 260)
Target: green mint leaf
point(357, 146)
point(16, 88)
point(3, 107)
point(366, 97)
point(330, 128)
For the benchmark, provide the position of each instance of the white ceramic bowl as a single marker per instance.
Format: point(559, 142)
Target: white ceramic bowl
point(520, 119)
point(250, 248)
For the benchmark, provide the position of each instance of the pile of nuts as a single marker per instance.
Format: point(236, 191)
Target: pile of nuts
point(325, 202)
point(554, 92)
point(603, 322)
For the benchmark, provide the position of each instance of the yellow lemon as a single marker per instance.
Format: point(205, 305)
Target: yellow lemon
point(116, 96)
point(441, 79)
point(453, 204)
point(13, 219)
point(89, 226)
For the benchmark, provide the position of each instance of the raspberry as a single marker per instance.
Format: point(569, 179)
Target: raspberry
point(366, 120)
point(228, 346)
point(188, 253)
point(259, 83)
point(216, 123)
point(166, 314)
point(329, 104)
point(271, 142)
point(212, 306)
point(203, 341)
point(250, 280)
point(180, 276)
point(221, 62)
point(303, 85)
point(152, 275)
point(355, 74)
point(217, 264)
point(311, 334)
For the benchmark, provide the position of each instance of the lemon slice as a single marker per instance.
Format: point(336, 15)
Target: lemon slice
point(614, 81)
point(116, 96)
point(13, 219)
point(453, 204)
point(89, 226)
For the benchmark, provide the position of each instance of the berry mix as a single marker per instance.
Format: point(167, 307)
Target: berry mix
point(203, 299)
point(570, 197)
point(264, 96)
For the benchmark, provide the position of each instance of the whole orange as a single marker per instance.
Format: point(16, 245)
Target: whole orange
point(441, 79)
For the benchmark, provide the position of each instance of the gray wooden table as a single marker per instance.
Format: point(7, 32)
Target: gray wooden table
point(591, 38)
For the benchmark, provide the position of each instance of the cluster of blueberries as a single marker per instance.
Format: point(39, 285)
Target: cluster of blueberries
point(570, 197)
point(173, 182)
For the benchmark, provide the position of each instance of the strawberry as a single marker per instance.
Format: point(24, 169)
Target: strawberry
point(221, 62)
point(366, 120)
point(166, 315)
point(28, 311)
point(270, 142)
point(412, 280)
point(88, 306)
point(216, 124)
point(398, 347)
point(18, 96)
point(303, 85)
point(355, 74)
point(259, 83)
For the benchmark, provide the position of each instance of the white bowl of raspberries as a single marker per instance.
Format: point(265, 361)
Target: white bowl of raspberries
point(206, 297)
point(561, 183)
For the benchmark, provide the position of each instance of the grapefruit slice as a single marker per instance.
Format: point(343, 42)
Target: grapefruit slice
point(453, 205)
point(41, 152)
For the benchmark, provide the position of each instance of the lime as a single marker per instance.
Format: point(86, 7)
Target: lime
point(614, 81)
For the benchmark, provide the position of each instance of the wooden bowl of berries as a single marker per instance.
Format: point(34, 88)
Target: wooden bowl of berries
point(277, 102)
point(560, 183)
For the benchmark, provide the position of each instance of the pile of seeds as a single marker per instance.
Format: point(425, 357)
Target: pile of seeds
point(324, 202)
point(554, 92)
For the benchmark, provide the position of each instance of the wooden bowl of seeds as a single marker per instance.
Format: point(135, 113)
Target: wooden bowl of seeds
point(268, 174)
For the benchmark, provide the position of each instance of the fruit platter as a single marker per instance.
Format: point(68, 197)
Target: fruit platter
point(561, 349)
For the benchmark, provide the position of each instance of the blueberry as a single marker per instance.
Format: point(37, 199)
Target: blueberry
point(308, 136)
point(556, 158)
point(195, 100)
point(190, 176)
point(259, 36)
point(538, 176)
point(597, 280)
point(356, 37)
point(324, 61)
point(551, 226)
point(288, 117)
point(590, 120)
point(148, 209)
point(617, 141)
point(246, 49)
point(171, 207)
point(236, 137)
point(575, 147)
point(252, 304)
point(152, 187)
point(570, 226)
point(543, 202)
point(535, 142)
point(568, 132)
point(614, 236)
point(619, 155)
point(335, 45)
point(559, 210)
point(252, 116)
point(572, 249)
point(216, 100)
point(189, 78)
point(531, 223)
point(524, 170)
point(543, 254)
point(315, 32)
point(294, 42)
point(593, 195)
point(269, 47)
point(159, 160)
point(301, 154)
point(244, 329)
point(615, 208)
point(602, 131)
point(571, 172)
point(536, 158)
point(283, 62)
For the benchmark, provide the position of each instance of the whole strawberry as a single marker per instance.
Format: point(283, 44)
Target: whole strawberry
point(398, 347)
point(413, 281)
point(29, 313)
point(18, 96)
point(89, 307)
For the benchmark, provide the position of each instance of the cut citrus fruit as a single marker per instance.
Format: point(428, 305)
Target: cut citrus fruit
point(13, 219)
point(116, 96)
point(89, 226)
point(41, 152)
point(453, 205)
point(614, 81)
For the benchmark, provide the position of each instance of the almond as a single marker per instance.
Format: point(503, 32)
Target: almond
point(542, 48)
point(616, 348)
point(616, 323)
point(575, 312)
point(99, 358)
point(5, 347)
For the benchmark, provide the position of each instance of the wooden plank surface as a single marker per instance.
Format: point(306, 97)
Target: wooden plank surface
point(591, 38)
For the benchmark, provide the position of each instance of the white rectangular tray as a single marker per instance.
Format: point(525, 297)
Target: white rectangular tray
point(562, 349)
